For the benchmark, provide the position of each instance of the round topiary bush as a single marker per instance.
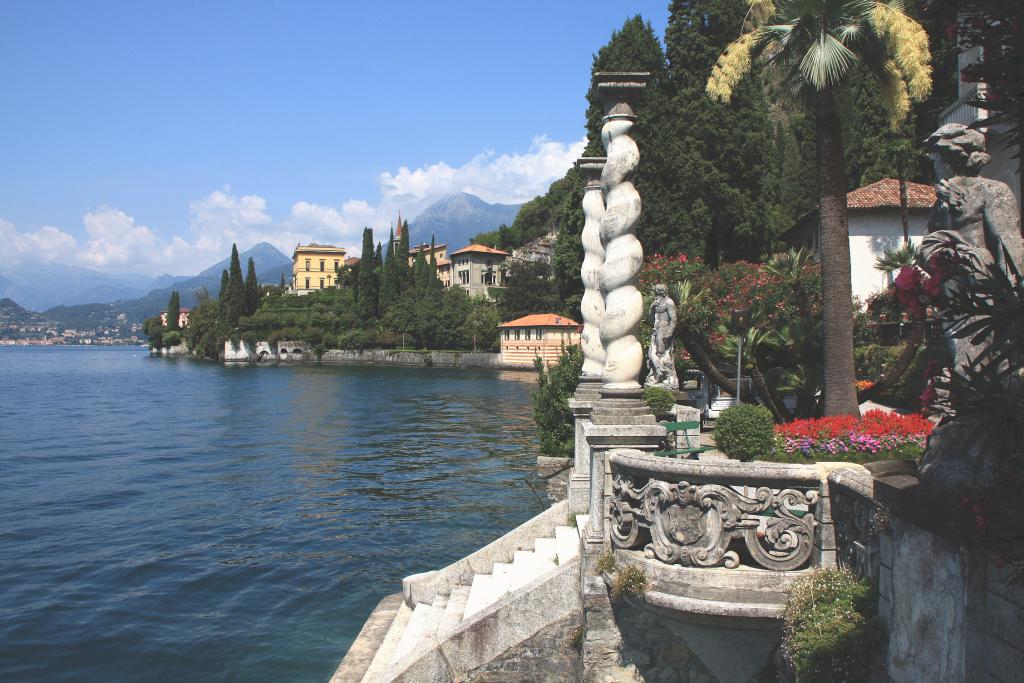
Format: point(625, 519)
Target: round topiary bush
point(745, 432)
point(172, 338)
point(659, 400)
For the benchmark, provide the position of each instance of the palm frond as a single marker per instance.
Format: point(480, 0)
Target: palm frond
point(826, 62)
point(907, 42)
point(894, 259)
point(730, 68)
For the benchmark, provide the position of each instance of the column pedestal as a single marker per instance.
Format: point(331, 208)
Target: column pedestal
point(582, 404)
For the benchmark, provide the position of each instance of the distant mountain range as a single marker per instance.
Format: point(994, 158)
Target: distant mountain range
point(457, 218)
point(81, 298)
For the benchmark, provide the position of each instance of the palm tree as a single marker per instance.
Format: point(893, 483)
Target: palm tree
point(894, 259)
point(810, 47)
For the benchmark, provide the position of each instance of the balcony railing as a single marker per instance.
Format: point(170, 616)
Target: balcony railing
point(961, 111)
point(720, 513)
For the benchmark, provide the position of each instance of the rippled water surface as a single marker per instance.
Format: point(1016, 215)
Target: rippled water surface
point(170, 520)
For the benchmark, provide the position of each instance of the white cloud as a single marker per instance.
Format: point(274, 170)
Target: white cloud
point(505, 179)
point(114, 240)
point(44, 245)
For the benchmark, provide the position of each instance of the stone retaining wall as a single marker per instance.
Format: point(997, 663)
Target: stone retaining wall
point(454, 359)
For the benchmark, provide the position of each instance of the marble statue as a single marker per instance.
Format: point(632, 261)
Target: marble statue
point(974, 220)
point(661, 366)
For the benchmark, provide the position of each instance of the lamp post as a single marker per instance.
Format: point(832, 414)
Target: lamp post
point(740, 323)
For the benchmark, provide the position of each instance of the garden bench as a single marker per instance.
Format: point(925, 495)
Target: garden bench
point(684, 428)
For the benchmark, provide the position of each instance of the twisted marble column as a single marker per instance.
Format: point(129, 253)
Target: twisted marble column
point(624, 256)
point(592, 305)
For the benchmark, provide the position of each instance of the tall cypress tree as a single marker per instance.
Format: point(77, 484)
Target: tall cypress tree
point(405, 280)
point(719, 154)
point(252, 289)
point(378, 256)
point(222, 292)
point(235, 300)
point(173, 311)
point(389, 280)
point(366, 292)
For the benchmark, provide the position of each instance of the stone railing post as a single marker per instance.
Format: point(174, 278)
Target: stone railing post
point(592, 310)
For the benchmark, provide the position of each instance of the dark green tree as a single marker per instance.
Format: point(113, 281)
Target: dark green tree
point(551, 402)
point(378, 256)
point(173, 311)
point(405, 270)
point(389, 282)
point(252, 289)
point(222, 291)
point(366, 284)
point(234, 303)
point(529, 288)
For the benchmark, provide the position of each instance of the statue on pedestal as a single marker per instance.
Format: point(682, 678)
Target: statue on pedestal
point(973, 234)
point(661, 366)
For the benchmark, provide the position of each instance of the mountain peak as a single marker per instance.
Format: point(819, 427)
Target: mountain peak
point(456, 218)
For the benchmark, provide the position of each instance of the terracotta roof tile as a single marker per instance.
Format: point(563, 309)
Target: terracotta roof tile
point(885, 193)
point(541, 320)
point(479, 248)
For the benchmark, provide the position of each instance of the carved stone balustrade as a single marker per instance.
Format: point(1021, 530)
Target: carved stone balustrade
point(720, 513)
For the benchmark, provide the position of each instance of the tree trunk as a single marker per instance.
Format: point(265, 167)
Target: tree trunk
point(837, 290)
point(695, 346)
point(899, 366)
point(904, 208)
point(768, 397)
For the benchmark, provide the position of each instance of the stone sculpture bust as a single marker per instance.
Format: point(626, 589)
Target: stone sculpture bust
point(975, 220)
point(660, 362)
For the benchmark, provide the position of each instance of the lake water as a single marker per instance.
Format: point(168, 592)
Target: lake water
point(172, 520)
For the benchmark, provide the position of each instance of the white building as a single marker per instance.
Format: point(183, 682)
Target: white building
point(875, 228)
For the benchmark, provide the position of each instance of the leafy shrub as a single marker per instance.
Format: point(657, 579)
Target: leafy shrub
point(551, 403)
point(873, 360)
point(171, 338)
point(878, 435)
point(629, 580)
point(744, 432)
point(250, 340)
point(830, 631)
point(606, 563)
point(659, 400)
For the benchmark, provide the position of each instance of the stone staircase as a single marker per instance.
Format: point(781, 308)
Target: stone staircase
point(437, 605)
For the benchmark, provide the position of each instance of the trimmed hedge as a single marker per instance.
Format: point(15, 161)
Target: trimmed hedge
point(745, 432)
point(659, 400)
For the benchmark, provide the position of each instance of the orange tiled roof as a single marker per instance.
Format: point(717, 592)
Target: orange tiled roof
point(479, 248)
point(885, 194)
point(541, 320)
point(351, 260)
point(426, 247)
point(441, 262)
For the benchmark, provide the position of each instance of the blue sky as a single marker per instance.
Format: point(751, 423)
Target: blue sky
point(145, 136)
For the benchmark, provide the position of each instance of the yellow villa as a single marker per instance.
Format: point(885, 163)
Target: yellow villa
point(315, 266)
point(541, 335)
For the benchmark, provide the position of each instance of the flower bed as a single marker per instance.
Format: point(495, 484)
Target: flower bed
point(878, 435)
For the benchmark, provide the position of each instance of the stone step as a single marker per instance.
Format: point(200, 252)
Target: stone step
point(546, 548)
point(453, 611)
point(424, 618)
point(387, 647)
point(568, 540)
point(502, 575)
point(478, 594)
point(440, 601)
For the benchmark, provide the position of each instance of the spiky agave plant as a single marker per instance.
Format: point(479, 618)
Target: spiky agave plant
point(810, 47)
point(894, 259)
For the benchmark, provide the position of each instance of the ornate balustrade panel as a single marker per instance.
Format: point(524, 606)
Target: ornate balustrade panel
point(858, 519)
point(704, 514)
